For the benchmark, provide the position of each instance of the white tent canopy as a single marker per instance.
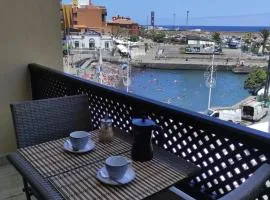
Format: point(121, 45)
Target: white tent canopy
point(122, 48)
point(119, 41)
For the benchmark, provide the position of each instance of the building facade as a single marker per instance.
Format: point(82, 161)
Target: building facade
point(90, 40)
point(199, 41)
point(83, 15)
point(90, 16)
point(123, 26)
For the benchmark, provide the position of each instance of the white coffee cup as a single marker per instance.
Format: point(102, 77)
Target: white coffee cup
point(79, 139)
point(117, 166)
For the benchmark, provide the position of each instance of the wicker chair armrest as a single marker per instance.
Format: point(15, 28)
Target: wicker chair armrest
point(252, 187)
point(40, 185)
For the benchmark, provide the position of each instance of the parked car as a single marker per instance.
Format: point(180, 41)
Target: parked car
point(232, 115)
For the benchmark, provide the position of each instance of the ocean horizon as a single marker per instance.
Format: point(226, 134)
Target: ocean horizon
point(252, 29)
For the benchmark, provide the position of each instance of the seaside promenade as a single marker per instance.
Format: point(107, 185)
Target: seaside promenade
point(173, 57)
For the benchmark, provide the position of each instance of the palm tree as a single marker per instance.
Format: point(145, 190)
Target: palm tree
point(264, 34)
point(248, 38)
point(216, 37)
point(247, 42)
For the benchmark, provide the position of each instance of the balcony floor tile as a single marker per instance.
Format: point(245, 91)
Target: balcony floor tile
point(11, 183)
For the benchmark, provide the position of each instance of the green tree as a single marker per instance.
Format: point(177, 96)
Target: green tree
point(134, 38)
point(264, 33)
point(159, 37)
point(216, 37)
point(255, 80)
point(66, 48)
point(143, 32)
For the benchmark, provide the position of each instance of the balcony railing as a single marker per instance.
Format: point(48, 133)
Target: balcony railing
point(227, 153)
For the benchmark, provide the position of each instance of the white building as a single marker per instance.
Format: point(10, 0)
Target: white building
point(91, 40)
point(199, 41)
point(82, 3)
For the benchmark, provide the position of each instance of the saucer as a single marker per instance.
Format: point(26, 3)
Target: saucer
point(102, 175)
point(88, 147)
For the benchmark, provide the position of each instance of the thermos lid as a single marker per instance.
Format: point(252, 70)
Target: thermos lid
point(143, 122)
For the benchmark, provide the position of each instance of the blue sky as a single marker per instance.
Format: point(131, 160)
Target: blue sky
point(202, 12)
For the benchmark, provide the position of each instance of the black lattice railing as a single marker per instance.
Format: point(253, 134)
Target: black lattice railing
point(227, 153)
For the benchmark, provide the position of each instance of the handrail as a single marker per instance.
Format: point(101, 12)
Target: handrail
point(231, 130)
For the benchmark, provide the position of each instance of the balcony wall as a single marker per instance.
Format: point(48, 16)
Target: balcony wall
point(226, 153)
point(30, 32)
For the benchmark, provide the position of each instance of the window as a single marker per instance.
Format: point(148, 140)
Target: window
point(103, 17)
point(107, 45)
point(77, 44)
point(92, 44)
point(248, 111)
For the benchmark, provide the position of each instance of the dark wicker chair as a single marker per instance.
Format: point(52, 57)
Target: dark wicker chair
point(40, 121)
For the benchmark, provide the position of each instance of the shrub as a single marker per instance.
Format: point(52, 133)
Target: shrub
point(255, 80)
point(134, 38)
point(159, 37)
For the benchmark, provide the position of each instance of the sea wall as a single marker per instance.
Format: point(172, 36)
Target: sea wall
point(175, 66)
point(172, 66)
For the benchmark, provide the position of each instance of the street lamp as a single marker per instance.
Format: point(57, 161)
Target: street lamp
point(210, 79)
point(100, 68)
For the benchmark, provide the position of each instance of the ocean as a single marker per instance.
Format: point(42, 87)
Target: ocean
point(187, 88)
point(252, 29)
